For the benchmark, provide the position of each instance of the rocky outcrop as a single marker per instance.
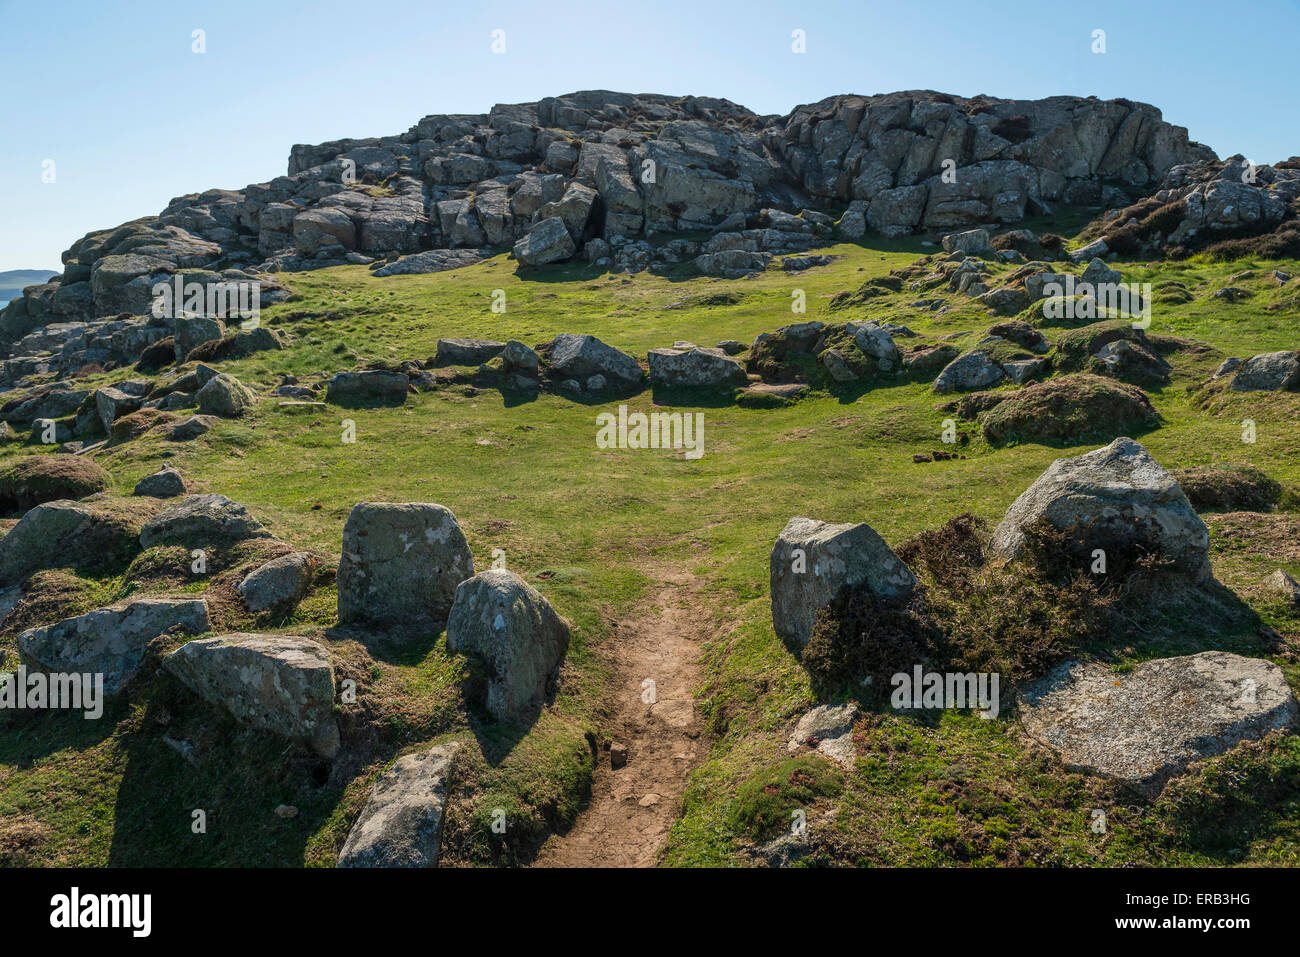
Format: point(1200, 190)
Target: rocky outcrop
point(278, 683)
point(65, 534)
point(109, 641)
point(512, 629)
point(1271, 371)
point(1117, 499)
point(812, 561)
point(1147, 724)
point(616, 169)
point(401, 824)
point(400, 565)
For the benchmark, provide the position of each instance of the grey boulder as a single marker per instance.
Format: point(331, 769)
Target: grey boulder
point(202, 520)
point(695, 368)
point(512, 628)
point(582, 356)
point(277, 586)
point(401, 564)
point(812, 561)
point(167, 482)
point(109, 641)
point(226, 396)
point(1144, 726)
point(1117, 498)
point(278, 683)
point(401, 824)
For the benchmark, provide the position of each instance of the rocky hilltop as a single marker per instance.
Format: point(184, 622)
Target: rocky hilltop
point(610, 177)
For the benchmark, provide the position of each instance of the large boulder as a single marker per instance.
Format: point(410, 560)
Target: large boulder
point(401, 824)
point(1117, 499)
point(1272, 371)
point(466, 352)
point(226, 396)
point(876, 342)
point(109, 641)
point(520, 639)
point(167, 482)
point(66, 534)
point(547, 242)
point(278, 683)
point(278, 586)
point(113, 403)
point(695, 368)
point(193, 331)
point(1147, 724)
point(973, 370)
point(581, 357)
point(203, 520)
point(367, 385)
point(34, 479)
point(401, 564)
point(812, 561)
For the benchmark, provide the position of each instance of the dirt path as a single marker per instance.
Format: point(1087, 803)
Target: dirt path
point(633, 807)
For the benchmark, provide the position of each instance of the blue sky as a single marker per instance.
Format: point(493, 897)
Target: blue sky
point(132, 117)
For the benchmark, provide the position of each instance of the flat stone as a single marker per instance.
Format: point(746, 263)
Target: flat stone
point(1144, 726)
point(829, 729)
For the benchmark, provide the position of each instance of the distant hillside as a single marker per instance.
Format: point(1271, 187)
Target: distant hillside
point(13, 281)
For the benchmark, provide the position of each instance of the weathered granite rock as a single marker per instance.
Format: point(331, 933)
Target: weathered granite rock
point(226, 396)
point(1271, 371)
point(278, 683)
point(828, 728)
point(167, 482)
point(547, 242)
point(1148, 724)
point(466, 352)
point(1283, 586)
point(113, 403)
point(812, 561)
point(401, 824)
point(512, 628)
point(202, 520)
point(367, 385)
point(1117, 499)
point(109, 641)
point(973, 370)
point(582, 356)
point(401, 564)
point(695, 368)
point(65, 534)
point(191, 428)
point(277, 586)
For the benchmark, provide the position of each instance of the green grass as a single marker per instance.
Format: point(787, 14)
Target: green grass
point(581, 524)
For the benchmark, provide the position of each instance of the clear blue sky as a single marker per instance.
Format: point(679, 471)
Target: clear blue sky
point(113, 94)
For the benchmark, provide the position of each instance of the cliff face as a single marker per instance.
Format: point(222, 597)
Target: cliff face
point(620, 168)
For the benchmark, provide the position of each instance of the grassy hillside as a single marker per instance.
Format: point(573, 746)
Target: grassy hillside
point(584, 524)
